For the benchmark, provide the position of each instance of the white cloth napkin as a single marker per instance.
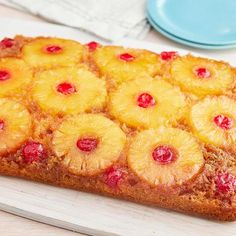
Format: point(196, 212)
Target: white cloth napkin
point(109, 19)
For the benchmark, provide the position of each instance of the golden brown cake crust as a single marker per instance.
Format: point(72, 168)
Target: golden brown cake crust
point(198, 196)
point(140, 194)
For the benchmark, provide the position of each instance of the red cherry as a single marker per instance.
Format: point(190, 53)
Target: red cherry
point(223, 122)
point(7, 42)
point(87, 144)
point(164, 154)
point(167, 56)
point(66, 88)
point(225, 183)
point(145, 100)
point(2, 124)
point(113, 176)
point(53, 49)
point(4, 75)
point(126, 57)
point(92, 46)
point(202, 73)
point(33, 151)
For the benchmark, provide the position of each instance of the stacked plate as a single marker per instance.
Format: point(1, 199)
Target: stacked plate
point(209, 24)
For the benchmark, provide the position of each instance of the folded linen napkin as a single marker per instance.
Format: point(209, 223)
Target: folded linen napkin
point(109, 19)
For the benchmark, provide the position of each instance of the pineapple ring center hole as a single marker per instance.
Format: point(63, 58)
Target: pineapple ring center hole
point(224, 122)
point(202, 72)
point(164, 154)
point(87, 144)
point(126, 57)
point(145, 100)
point(2, 124)
point(4, 75)
point(53, 49)
point(66, 88)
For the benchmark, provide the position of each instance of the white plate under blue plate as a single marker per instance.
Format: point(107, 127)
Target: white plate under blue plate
point(211, 22)
point(187, 42)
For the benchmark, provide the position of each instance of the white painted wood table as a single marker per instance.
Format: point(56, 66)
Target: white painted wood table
point(11, 225)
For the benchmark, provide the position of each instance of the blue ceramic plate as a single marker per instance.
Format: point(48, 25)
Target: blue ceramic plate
point(186, 42)
point(211, 22)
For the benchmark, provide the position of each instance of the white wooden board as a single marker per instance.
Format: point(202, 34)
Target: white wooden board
point(88, 213)
point(100, 216)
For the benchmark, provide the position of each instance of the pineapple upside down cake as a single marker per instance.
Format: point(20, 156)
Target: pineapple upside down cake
point(158, 129)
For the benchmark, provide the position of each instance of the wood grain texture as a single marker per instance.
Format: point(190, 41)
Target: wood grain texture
point(97, 215)
point(12, 225)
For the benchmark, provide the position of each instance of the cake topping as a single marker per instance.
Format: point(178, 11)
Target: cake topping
point(202, 73)
point(4, 75)
point(7, 42)
point(164, 154)
point(87, 144)
point(126, 57)
point(33, 151)
point(113, 176)
point(145, 100)
point(223, 122)
point(92, 46)
point(66, 88)
point(225, 183)
point(53, 49)
point(2, 124)
point(167, 56)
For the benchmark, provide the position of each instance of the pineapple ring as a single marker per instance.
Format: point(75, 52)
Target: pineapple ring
point(167, 107)
point(218, 75)
point(122, 64)
point(187, 165)
point(52, 52)
point(202, 117)
point(111, 141)
point(14, 76)
point(15, 125)
point(87, 92)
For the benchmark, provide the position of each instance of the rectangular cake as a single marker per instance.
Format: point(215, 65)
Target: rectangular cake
point(156, 129)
